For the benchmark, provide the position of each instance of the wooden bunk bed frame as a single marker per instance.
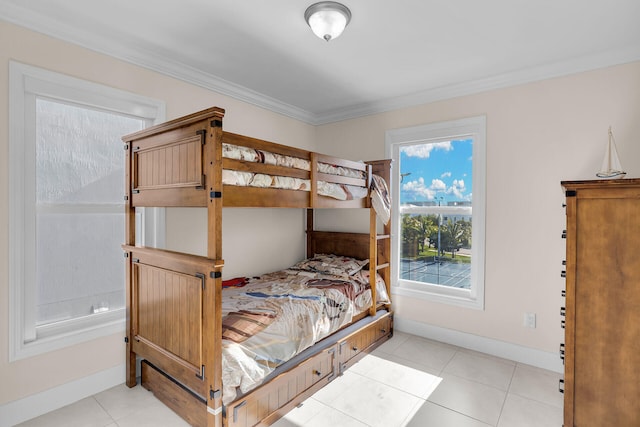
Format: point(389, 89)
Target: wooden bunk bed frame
point(174, 321)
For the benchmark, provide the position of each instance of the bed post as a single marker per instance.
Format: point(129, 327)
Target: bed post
point(380, 244)
point(310, 228)
point(313, 173)
point(373, 259)
point(212, 315)
point(129, 239)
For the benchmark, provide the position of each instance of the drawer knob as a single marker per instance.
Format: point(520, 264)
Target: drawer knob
point(354, 348)
point(384, 331)
point(316, 372)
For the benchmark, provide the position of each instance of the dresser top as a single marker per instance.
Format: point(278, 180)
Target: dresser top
point(602, 183)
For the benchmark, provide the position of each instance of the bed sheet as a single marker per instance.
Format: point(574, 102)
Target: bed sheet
point(269, 319)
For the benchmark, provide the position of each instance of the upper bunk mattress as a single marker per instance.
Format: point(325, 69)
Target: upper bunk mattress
point(250, 179)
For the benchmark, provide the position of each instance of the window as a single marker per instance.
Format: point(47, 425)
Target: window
point(67, 207)
point(439, 206)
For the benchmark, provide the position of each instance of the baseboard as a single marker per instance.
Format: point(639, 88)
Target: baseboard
point(505, 350)
point(21, 410)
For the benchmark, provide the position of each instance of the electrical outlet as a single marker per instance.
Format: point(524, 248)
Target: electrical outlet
point(529, 320)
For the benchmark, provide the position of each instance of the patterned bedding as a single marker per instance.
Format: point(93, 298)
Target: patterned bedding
point(379, 194)
point(267, 320)
point(249, 179)
point(246, 154)
point(380, 198)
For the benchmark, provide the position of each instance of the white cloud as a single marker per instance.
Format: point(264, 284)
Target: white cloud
point(438, 185)
point(423, 151)
point(420, 191)
point(446, 175)
point(457, 189)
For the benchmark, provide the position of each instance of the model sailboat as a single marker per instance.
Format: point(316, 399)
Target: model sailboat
point(611, 167)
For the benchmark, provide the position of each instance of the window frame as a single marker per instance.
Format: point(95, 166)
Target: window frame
point(472, 127)
point(26, 84)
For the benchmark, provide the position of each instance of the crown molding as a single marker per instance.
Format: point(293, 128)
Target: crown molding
point(137, 55)
point(519, 77)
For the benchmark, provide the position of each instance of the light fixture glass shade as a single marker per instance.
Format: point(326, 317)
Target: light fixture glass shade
point(327, 19)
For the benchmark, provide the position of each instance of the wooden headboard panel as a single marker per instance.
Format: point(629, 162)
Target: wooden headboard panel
point(354, 245)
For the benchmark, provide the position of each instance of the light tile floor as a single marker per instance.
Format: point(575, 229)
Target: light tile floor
point(408, 381)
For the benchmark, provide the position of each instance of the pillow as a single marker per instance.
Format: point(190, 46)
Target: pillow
point(331, 264)
point(382, 296)
point(236, 282)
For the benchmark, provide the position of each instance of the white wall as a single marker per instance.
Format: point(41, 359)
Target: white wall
point(537, 135)
point(248, 237)
point(28, 377)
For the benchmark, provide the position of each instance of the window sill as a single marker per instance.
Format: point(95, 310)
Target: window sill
point(59, 336)
point(455, 297)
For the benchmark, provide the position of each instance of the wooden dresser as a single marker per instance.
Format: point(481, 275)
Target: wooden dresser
point(602, 313)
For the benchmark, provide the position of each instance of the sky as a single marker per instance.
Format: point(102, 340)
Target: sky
point(436, 170)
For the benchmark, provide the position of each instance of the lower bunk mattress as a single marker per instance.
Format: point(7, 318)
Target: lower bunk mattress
point(268, 320)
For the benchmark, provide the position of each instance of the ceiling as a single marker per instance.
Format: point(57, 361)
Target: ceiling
point(392, 54)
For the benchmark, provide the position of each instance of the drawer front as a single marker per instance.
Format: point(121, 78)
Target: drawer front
point(282, 390)
point(364, 338)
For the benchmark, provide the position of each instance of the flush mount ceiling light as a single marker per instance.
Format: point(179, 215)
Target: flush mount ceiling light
point(327, 19)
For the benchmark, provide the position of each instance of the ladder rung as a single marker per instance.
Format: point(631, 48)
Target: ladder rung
point(381, 266)
point(382, 236)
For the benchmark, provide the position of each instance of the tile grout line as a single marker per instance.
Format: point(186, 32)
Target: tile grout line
point(393, 386)
point(506, 392)
point(459, 413)
point(530, 398)
point(506, 395)
point(113, 420)
point(413, 412)
point(338, 410)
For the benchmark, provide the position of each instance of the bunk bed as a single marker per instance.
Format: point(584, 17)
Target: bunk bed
point(185, 323)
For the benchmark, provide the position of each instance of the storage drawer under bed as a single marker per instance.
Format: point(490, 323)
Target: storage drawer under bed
point(271, 401)
point(284, 391)
point(355, 344)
